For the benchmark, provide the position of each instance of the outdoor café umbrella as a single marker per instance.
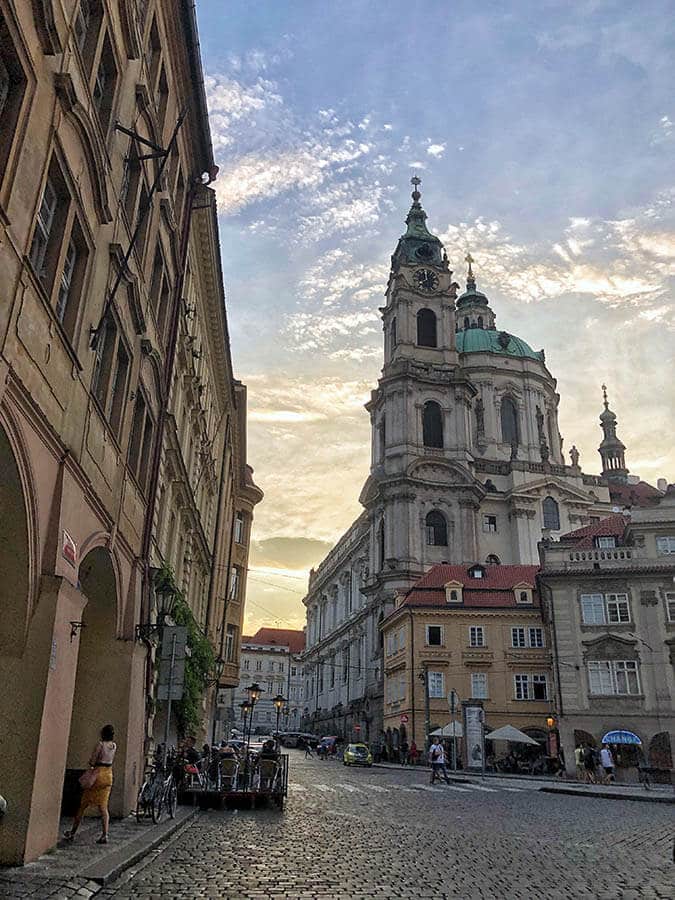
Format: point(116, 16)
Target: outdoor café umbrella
point(452, 729)
point(509, 733)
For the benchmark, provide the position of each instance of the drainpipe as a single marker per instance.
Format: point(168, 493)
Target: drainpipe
point(412, 671)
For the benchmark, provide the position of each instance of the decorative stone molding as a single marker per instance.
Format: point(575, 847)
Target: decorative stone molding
point(45, 25)
point(129, 30)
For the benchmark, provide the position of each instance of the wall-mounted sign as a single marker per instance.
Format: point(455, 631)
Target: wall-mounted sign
point(404, 719)
point(69, 549)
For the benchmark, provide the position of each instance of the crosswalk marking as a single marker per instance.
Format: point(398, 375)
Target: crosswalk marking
point(513, 790)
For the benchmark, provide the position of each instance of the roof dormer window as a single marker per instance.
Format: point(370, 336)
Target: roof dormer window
point(523, 593)
point(453, 592)
point(607, 542)
point(477, 571)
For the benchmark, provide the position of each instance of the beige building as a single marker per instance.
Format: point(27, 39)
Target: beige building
point(94, 415)
point(476, 630)
point(609, 591)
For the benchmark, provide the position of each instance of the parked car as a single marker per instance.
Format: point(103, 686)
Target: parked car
point(357, 755)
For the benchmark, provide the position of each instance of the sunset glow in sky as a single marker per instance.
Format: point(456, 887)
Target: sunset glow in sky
point(544, 133)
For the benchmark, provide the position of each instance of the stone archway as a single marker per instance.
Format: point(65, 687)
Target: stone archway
point(14, 553)
point(102, 693)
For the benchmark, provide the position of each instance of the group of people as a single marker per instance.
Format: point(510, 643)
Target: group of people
point(592, 764)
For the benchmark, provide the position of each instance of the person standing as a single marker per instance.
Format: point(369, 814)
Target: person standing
point(607, 762)
point(437, 760)
point(589, 764)
point(98, 793)
point(413, 753)
point(579, 761)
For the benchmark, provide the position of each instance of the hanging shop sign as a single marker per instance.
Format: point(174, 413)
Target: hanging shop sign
point(621, 737)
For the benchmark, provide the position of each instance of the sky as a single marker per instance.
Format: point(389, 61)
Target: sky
point(544, 134)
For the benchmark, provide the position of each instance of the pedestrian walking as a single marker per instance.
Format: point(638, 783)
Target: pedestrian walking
point(607, 762)
point(589, 764)
point(413, 753)
point(579, 761)
point(97, 783)
point(404, 753)
point(437, 760)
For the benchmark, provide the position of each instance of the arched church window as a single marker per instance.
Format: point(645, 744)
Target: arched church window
point(480, 321)
point(493, 560)
point(426, 328)
point(509, 417)
point(437, 529)
point(393, 333)
point(432, 425)
point(551, 514)
point(552, 436)
point(380, 544)
point(383, 437)
point(466, 322)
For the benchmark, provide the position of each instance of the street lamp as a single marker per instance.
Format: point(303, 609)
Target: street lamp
point(254, 691)
point(165, 602)
point(278, 701)
point(216, 672)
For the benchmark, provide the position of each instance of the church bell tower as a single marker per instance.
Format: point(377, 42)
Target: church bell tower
point(612, 451)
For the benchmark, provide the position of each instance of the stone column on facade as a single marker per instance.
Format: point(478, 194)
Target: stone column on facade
point(524, 548)
point(468, 511)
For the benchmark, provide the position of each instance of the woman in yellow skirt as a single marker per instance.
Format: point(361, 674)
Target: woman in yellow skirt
point(99, 793)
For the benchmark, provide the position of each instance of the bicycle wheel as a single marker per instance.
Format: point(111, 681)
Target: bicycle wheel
point(172, 800)
point(157, 805)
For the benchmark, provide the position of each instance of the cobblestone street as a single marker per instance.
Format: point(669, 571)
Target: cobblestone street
point(377, 833)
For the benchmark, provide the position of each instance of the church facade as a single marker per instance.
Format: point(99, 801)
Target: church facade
point(467, 467)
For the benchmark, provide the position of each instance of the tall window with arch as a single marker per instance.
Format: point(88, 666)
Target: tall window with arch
point(432, 425)
point(509, 422)
point(392, 334)
point(383, 437)
point(426, 328)
point(380, 544)
point(492, 560)
point(551, 514)
point(437, 529)
point(480, 321)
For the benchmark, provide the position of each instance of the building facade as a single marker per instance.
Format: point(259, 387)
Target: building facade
point(272, 658)
point(100, 241)
point(610, 603)
point(477, 631)
point(467, 465)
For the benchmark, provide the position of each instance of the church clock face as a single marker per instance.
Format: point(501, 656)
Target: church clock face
point(426, 280)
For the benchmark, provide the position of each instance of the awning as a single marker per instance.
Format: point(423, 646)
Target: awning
point(511, 734)
point(621, 737)
point(452, 729)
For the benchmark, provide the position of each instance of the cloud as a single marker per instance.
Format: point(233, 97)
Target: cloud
point(288, 553)
point(436, 150)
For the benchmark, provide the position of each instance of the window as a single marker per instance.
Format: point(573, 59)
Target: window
point(246, 664)
point(235, 575)
point(530, 687)
point(670, 605)
point(345, 665)
point(45, 237)
point(159, 289)
point(492, 560)
point(426, 328)
point(476, 572)
point(479, 686)
point(86, 28)
point(393, 334)
point(72, 279)
point(230, 642)
point(613, 677)
point(518, 637)
point(535, 637)
point(605, 543)
point(239, 528)
point(294, 671)
point(436, 682)
point(551, 514)
point(162, 99)
point(270, 687)
point(432, 425)
point(605, 609)
point(140, 445)
point(453, 596)
point(665, 545)
point(258, 665)
point(509, 421)
point(524, 596)
point(527, 637)
point(476, 636)
point(380, 540)
point(434, 635)
point(281, 667)
point(103, 89)
point(12, 90)
point(437, 529)
point(489, 523)
point(111, 369)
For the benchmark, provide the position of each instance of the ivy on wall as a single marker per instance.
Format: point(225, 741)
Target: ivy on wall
point(198, 664)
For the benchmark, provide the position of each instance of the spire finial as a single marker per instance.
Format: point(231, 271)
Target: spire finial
point(416, 181)
point(470, 280)
point(604, 396)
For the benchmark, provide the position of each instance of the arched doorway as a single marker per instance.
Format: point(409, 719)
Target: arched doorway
point(660, 754)
point(14, 553)
point(104, 674)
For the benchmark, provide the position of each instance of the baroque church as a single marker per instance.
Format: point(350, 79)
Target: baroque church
point(467, 466)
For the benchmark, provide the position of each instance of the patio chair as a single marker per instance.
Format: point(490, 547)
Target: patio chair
point(267, 774)
point(229, 774)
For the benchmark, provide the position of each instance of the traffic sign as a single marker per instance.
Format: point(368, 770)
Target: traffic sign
point(404, 719)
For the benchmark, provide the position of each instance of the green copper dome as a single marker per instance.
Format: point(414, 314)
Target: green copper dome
point(482, 340)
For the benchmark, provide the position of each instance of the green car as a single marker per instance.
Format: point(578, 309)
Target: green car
point(357, 755)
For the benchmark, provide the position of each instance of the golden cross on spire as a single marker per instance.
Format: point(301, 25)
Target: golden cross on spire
point(469, 259)
point(416, 181)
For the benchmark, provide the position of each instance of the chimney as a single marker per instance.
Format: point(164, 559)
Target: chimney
point(662, 485)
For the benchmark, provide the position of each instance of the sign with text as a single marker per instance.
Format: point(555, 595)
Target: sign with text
point(172, 663)
point(473, 730)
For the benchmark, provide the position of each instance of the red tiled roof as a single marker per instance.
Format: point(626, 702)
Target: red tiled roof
point(278, 637)
point(640, 494)
point(583, 538)
point(494, 589)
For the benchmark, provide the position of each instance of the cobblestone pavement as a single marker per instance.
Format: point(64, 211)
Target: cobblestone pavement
point(372, 833)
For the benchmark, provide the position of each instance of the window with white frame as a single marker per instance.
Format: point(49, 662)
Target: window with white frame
point(294, 671)
point(434, 635)
point(489, 523)
point(436, 682)
point(530, 687)
point(479, 685)
point(235, 576)
point(605, 543)
point(670, 605)
point(246, 664)
point(665, 544)
point(610, 676)
point(258, 665)
point(476, 636)
point(605, 609)
point(518, 638)
point(535, 637)
point(239, 528)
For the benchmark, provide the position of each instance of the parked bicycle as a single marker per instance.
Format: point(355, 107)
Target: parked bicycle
point(159, 791)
